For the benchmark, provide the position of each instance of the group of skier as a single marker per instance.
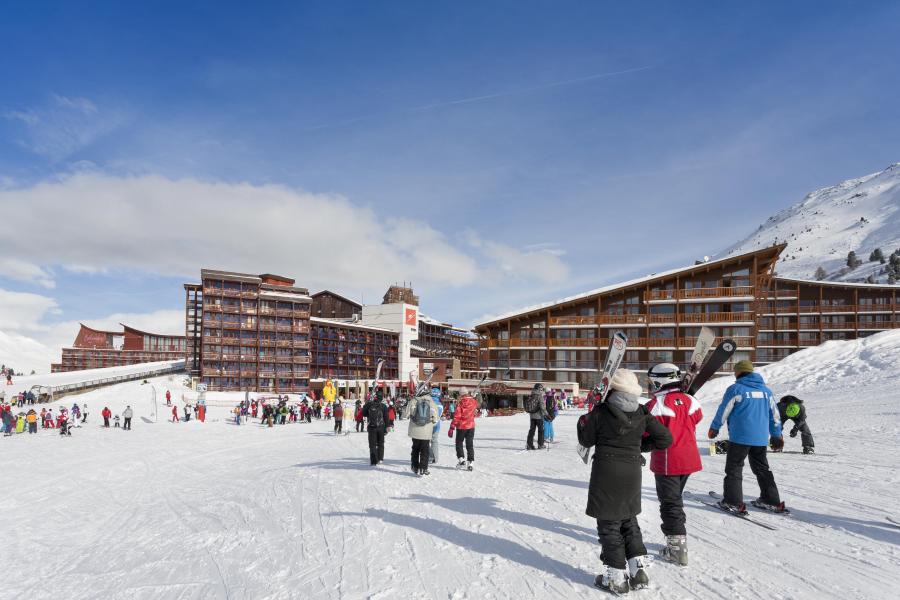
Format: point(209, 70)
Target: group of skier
point(620, 428)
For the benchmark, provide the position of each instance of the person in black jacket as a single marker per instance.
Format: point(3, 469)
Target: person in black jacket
point(376, 414)
point(615, 429)
point(791, 408)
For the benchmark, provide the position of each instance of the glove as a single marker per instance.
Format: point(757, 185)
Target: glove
point(793, 432)
point(777, 443)
point(450, 432)
point(712, 434)
point(643, 461)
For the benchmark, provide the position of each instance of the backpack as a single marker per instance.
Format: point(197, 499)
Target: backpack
point(422, 414)
point(533, 402)
point(376, 416)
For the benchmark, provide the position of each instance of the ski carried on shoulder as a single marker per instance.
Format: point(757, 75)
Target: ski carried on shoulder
point(614, 355)
point(741, 515)
point(704, 342)
point(723, 352)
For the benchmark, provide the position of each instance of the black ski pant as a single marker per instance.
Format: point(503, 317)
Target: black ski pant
point(467, 436)
point(376, 446)
point(106, 421)
point(32, 427)
point(759, 464)
point(619, 541)
point(669, 490)
point(536, 424)
point(127, 423)
point(419, 457)
point(806, 436)
point(338, 424)
point(359, 426)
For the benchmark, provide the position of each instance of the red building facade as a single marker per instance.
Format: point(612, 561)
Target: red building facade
point(97, 349)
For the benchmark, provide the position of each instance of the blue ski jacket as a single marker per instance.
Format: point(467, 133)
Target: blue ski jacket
point(749, 408)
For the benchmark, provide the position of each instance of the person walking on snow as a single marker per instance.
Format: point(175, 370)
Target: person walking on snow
point(127, 414)
point(618, 430)
point(422, 420)
point(168, 398)
point(436, 431)
point(338, 416)
point(106, 414)
point(375, 412)
point(464, 424)
point(749, 409)
point(537, 411)
point(358, 417)
point(174, 414)
point(680, 413)
point(790, 408)
point(552, 410)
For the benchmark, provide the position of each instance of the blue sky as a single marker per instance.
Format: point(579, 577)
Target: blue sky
point(494, 153)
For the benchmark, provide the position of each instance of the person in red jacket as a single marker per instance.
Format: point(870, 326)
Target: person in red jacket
point(168, 398)
point(680, 413)
point(106, 414)
point(464, 424)
point(358, 417)
point(175, 418)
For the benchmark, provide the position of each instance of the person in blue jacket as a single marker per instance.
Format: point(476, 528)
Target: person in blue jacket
point(439, 407)
point(749, 408)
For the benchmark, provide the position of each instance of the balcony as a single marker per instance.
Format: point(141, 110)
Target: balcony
point(210, 356)
point(699, 293)
point(231, 325)
point(248, 311)
point(283, 328)
point(804, 326)
point(249, 294)
point(284, 344)
point(302, 344)
point(266, 311)
point(788, 341)
point(283, 359)
point(574, 364)
point(716, 317)
point(266, 343)
point(212, 339)
point(281, 312)
point(622, 319)
point(267, 374)
point(216, 308)
point(300, 329)
point(228, 373)
point(527, 343)
point(806, 343)
point(267, 327)
point(248, 372)
point(248, 326)
point(878, 308)
point(231, 341)
point(232, 310)
point(574, 342)
point(590, 320)
point(231, 293)
point(301, 314)
point(301, 360)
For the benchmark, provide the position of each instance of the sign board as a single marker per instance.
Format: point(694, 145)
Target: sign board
point(411, 317)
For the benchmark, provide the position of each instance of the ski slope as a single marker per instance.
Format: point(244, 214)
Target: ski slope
point(858, 214)
point(212, 510)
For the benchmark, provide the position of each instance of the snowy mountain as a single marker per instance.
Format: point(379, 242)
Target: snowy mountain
point(859, 215)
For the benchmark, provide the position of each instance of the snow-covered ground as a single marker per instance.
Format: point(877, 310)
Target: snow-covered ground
point(858, 214)
point(212, 510)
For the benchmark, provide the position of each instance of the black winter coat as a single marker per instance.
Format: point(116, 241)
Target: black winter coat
point(614, 493)
point(800, 419)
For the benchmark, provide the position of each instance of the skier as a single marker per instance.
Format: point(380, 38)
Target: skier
point(392, 416)
point(616, 429)
point(168, 398)
point(680, 413)
point(127, 414)
point(421, 429)
point(752, 416)
point(84, 413)
point(358, 416)
point(436, 430)
point(116, 421)
point(174, 415)
point(464, 424)
point(375, 413)
point(338, 416)
point(552, 410)
point(791, 408)
point(537, 410)
point(106, 414)
point(31, 419)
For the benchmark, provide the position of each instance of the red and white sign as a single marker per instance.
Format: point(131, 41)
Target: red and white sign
point(411, 317)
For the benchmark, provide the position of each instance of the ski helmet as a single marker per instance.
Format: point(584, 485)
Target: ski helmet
point(662, 375)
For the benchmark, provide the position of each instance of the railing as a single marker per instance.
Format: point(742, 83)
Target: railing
point(878, 308)
point(807, 326)
point(789, 341)
point(231, 324)
point(248, 326)
point(211, 291)
point(211, 356)
point(302, 360)
point(716, 317)
point(246, 294)
point(248, 373)
point(622, 319)
point(704, 292)
point(231, 341)
point(574, 342)
point(529, 343)
point(231, 293)
point(283, 359)
point(267, 373)
point(267, 343)
point(573, 364)
point(209, 339)
point(232, 310)
point(574, 320)
point(283, 343)
point(57, 391)
point(302, 344)
point(283, 328)
point(301, 314)
point(774, 294)
point(267, 311)
point(300, 329)
point(266, 327)
point(213, 307)
point(807, 343)
point(284, 312)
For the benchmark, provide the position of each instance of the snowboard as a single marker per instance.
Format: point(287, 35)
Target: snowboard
point(740, 515)
point(701, 349)
point(614, 355)
point(723, 352)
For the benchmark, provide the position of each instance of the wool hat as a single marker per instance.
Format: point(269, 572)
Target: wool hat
point(626, 381)
point(743, 366)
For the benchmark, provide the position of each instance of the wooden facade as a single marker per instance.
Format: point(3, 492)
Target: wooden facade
point(738, 297)
point(343, 350)
point(328, 305)
point(97, 349)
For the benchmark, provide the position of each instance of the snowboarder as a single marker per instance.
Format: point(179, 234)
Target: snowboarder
point(127, 414)
point(680, 413)
point(436, 431)
point(421, 429)
point(375, 412)
point(752, 416)
point(537, 410)
point(106, 414)
point(464, 424)
point(790, 408)
point(616, 430)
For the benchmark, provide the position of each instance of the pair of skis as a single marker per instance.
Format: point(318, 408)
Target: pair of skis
point(614, 355)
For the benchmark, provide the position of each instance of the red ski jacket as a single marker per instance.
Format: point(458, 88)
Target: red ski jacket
point(464, 417)
point(106, 413)
point(680, 413)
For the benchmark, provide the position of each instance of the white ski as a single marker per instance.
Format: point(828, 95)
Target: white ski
point(704, 342)
point(614, 355)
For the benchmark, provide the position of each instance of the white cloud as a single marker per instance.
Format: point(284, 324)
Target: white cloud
point(23, 312)
point(20, 270)
point(64, 125)
point(95, 222)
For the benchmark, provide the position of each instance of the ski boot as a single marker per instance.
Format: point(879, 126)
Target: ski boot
point(637, 570)
point(740, 509)
point(775, 508)
point(470, 466)
point(613, 580)
point(809, 450)
point(675, 550)
point(461, 463)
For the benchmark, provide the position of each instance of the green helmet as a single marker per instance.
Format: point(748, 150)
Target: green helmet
point(792, 410)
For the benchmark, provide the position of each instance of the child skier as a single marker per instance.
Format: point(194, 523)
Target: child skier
point(790, 408)
point(680, 413)
point(616, 430)
point(422, 420)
